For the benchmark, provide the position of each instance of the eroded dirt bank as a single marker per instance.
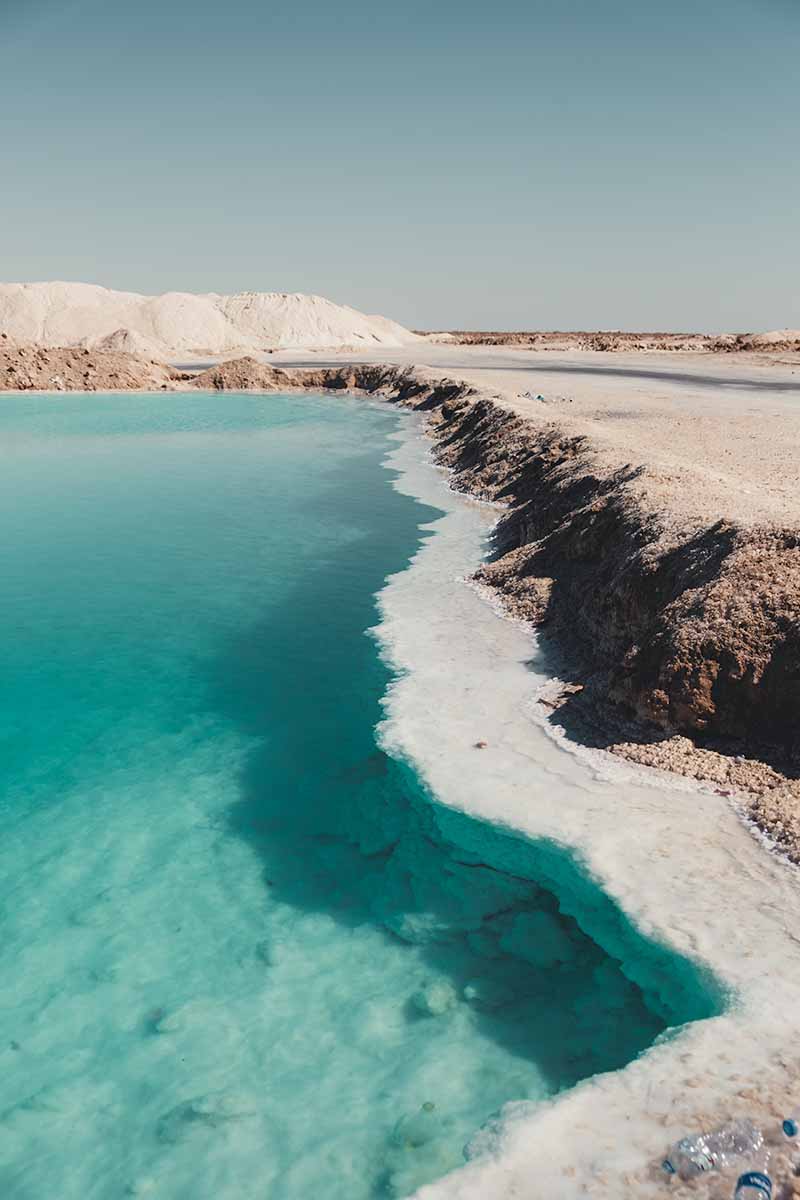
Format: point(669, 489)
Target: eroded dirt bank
point(69, 369)
point(677, 637)
point(679, 642)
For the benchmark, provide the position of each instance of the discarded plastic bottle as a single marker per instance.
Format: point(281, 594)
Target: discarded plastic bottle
point(756, 1183)
point(791, 1125)
point(712, 1151)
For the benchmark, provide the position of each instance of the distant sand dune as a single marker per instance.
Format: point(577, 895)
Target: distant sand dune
point(85, 315)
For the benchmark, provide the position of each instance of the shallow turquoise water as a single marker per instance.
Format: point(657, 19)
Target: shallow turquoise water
point(241, 948)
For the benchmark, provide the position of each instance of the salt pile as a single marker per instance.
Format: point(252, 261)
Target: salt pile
point(82, 314)
point(774, 337)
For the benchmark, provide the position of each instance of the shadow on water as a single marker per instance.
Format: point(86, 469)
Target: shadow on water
point(511, 927)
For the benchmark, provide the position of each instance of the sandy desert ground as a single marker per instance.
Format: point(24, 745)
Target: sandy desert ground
point(720, 431)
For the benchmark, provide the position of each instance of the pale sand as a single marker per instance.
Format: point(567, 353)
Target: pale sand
point(719, 433)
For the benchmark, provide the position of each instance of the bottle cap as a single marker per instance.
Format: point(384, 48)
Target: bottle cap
point(757, 1182)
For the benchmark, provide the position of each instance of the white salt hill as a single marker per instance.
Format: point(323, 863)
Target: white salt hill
point(774, 337)
point(182, 323)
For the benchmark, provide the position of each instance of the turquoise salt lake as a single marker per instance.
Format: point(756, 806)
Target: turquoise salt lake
point(244, 955)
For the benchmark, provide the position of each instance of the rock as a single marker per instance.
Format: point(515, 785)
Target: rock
point(66, 370)
point(435, 999)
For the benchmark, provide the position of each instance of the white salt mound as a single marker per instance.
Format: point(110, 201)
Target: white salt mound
point(82, 314)
point(775, 336)
point(127, 341)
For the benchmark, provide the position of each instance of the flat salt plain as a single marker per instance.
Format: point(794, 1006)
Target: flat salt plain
point(719, 433)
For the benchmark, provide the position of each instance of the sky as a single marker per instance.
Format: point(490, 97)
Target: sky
point(579, 164)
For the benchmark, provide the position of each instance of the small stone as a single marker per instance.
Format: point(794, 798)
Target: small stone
point(435, 998)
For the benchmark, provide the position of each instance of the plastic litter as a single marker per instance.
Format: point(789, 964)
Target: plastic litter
point(755, 1183)
point(715, 1150)
point(791, 1125)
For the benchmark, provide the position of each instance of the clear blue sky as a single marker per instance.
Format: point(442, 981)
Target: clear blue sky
point(547, 164)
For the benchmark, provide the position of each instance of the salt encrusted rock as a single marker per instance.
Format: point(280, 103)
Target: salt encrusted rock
point(435, 998)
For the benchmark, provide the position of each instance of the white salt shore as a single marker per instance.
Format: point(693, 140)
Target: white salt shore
point(675, 857)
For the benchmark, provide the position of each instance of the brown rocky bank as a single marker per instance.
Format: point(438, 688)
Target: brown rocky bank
point(620, 340)
point(69, 369)
point(680, 642)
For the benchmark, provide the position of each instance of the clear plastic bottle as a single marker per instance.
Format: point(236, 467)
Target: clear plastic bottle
point(755, 1183)
point(712, 1151)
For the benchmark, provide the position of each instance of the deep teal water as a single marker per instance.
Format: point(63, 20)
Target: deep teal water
point(244, 954)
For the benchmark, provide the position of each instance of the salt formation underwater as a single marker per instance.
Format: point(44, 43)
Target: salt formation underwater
point(244, 952)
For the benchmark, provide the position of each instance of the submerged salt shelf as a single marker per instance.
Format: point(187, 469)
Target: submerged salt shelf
point(246, 952)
